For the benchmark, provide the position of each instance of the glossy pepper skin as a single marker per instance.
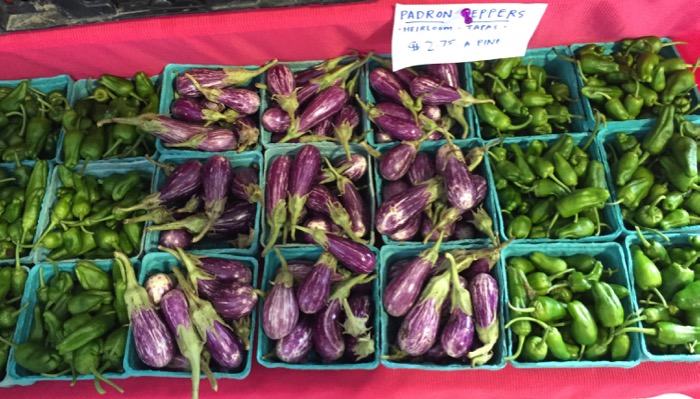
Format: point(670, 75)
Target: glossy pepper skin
point(583, 326)
point(608, 307)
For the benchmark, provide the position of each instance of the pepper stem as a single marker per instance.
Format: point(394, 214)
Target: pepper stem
point(521, 310)
point(526, 318)
point(661, 297)
point(100, 377)
point(518, 351)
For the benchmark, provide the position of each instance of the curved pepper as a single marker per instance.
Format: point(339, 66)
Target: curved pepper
point(583, 325)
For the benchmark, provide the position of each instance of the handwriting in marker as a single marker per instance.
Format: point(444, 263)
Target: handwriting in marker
point(467, 14)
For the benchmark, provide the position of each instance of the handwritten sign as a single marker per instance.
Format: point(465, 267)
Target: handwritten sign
point(435, 34)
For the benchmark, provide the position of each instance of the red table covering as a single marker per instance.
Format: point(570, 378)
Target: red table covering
point(306, 33)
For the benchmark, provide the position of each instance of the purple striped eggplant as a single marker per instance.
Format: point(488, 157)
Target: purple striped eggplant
point(327, 333)
point(446, 73)
point(422, 169)
point(382, 137)
point(335, 77)
point(275, 120)
point(408, 231)
point(434, 92)
point(360, 305)
point(395, 212)
point(221, 269)
point(353, 169)
point(175, 238)
point(320, 69)
point(459, 185)
point(387, 84)
point(458, 333)
point(248, 133)
point(398, 128)
point(234, 300)
point(163, 127)
point(395, 111)
point(322, 129)
point(280, 310)
point(296, 346)
point(464, 231)
point(212, 105)
point(354, 204)
point(313, 292)
point(243, 101)
point(484, 294)
point(401, 292)
point(215, 140)
point(355, 256)
point(322, 201)
point(477, 267)
point(320, 222)
point(405, 75)
point(238, 218)
point(397, 267)
point(182, 184)
point(305, 168)
point(276, 197)
point(419, 329)
point(245, 185)
point(445, 152)
point(436, 354)
point(177, 315)
point(392, 188)
point(154, 343)
point(344, 124)
point(355, 324)
point(191, 110)
point(301, 268)
point(216, 179)
point(323, 106)
point(432, 112)
point(158, 285)
point(397, 161)
point(480, 188)
point(280, 81)
point(216, 78)
point(204, 282)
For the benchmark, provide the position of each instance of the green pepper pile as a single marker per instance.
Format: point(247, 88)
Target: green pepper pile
point(631, 82)
point(527, 100)
point(667, 281)
point(11, 291)
point(22, 191)
point(553, 192)
point(655, 177)
point(113, 97)
point(86, 219)
point(78, 327)
point(29, 122)
point(563, 310)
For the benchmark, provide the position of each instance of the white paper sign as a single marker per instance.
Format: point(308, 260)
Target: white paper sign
point(442, 33)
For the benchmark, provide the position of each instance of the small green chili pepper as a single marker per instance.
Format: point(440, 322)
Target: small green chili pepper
point(583, 325)
point(547, 264)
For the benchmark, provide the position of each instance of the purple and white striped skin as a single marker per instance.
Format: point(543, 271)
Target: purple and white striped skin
point(355, 256)
point(275, 120)
point(212, 105)
point(459, 185)
point(477, 267)
point(422, 169)
point(354, 204)
point(216, 78)
point(353, 169)
point(280, 81)
point(480, 188)
point(408, 231)
point(397, 267)
point(445, 152)
point(401, 292)
point(344, 124)
point(320, 222)
point(243, 101)
point(280, 310)
point(296, 346)
point(395, 212)
point(387, 84)
point(234, 300)
point(216, 140)
point(405, 75)
point(434, 92)
point(183, 183)
point(326, 104)
point(154, 343)
point(382, 137)
point(307, 91)
point(392, 188)
point(301, 268)
point(323, 129)
point(175, 310)
point(175, 238)
point(247, 131)
point(224, 346)
point(484, 295)
point(313, 292)
point(169, 130)
point(322, 201)
point(397, 161)
point(216, 179)
point(158, 285)
point(446, 73)
point(458, 333)
point(276, 197)
point(327, 333)
point(245, 185)
point(432, 112)
point(238, 218)
point(191, 110)
point(305, 168)
point(395, 111)
point(419, 329)
point(224, 270)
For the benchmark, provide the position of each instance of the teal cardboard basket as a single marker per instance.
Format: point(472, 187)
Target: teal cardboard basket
point(99, 170)
point(559, 69)
point(83, 88)
point(162, 262)
point(391, 254)
point(431, 148)
point(332, 152)
point(6, 380)
point(675, 239)
point(266, 346)
point(666, 52)
point(168, 94)
point(610, 254)
point(17, 375)
point(367, 95)
point(248, 158)
point(27, 259)
point(606, 139)
point(609, 215)
point(63, 83)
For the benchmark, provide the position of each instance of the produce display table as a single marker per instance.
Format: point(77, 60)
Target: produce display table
point(307, 33)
